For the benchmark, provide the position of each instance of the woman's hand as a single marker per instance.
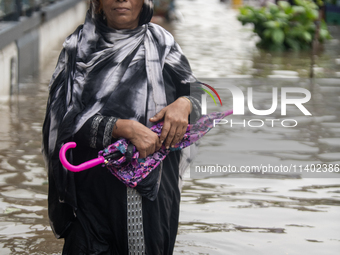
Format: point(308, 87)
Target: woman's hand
point(145, 140)
point(175, 121)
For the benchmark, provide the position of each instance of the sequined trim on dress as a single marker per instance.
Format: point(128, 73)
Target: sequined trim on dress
point(135, 223)
point(108, 131)
point(94, 130)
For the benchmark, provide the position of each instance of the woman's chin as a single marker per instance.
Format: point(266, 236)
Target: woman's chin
point(123, 23)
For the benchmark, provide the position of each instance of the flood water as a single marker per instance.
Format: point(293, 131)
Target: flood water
point(220, 214)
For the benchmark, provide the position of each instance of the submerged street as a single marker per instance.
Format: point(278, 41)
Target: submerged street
point(261, 214)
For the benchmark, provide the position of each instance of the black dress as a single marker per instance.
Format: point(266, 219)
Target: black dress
point(104, 74)
point(102, 224)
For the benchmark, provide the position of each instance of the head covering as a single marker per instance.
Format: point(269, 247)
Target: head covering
point(111, 72)
point(146, 13)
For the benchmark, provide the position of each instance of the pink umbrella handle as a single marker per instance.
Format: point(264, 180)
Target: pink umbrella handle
point(81, 167)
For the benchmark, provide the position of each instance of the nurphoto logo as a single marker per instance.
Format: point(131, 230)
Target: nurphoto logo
point(204, 97)
point(239, 105)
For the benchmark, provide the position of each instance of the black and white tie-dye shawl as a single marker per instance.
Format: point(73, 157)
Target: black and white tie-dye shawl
point(102, 70)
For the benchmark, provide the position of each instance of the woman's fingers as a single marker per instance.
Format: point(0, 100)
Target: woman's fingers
point(158, 116)
point(176, 132)
point(147, 146)
point(171, 135)
point(175, 122)
point(172, 132)
point(179, 135)
point(145, 140)
point(147, 150)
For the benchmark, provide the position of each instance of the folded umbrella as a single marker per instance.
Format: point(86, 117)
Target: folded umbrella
point(130, 169)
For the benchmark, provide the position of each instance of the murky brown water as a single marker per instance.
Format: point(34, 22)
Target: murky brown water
point(219, 215)
point(24, 227)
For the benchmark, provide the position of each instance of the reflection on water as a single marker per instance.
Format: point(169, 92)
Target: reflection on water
point(24, 227)
point(217, 45)
point(266, 214)
point(261, 213)
point(259, 216)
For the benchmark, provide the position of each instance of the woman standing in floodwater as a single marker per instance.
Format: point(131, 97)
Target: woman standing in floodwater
point(117, 75)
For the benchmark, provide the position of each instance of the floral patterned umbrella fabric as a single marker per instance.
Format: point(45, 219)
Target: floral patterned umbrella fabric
point(131, 171)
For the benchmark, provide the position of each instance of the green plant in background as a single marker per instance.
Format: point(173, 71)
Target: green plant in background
point(284, 26)
point(322, 2)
